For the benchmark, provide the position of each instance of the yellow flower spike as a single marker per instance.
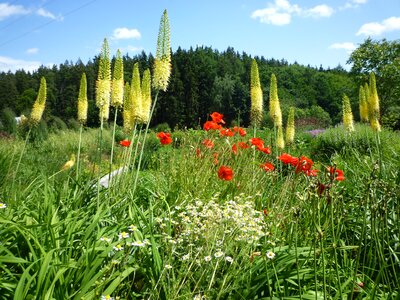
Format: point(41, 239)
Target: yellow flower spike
point(274, 105)
point(290, 129)
point(136, 96)
point(280, 142)
point(69, 164)
point(82, 100)
point(39, 105)
point(373, 104)
point(347, 114)
point(363, 105)
point(127, 112)
point(256, 95)
point(146, 96)
point(162, 62)
point(103, 83)
point(117, 87)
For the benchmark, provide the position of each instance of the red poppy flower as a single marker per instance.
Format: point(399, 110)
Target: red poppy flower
point(268, 167)
point(211, 125)
point(259, 143)
point(266, 150)
point(241, 131)
point(165, 138)
point(288, 159)
point(217, 118)
point(339, 173)
point(311, 173)
point(208, 143)
point(304, 165)
point(234, 149)
point(226, 132)
point(125, 143)
point(243, 145)
point(225, 173)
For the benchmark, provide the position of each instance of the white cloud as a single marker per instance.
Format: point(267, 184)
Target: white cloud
point(349, 47)
point(320, 11)
point(7, 10)
point(281, 11)
point(375, 28)
point(11, 64)
point(32, 50)
point(124, 33)
point(353, 4)
point(131, 49)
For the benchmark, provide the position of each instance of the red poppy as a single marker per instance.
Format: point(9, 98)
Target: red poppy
point(268, 167)
point(211, 125)
point(241, 131)
point(266, 150)
point(225, 173)
point(288, 159)
point(259, 143)
point(311, 173)
point(165, 138)
point(339, 173)
point(125, 143)
point(226, 132)
point(208, 143)
point(304, 165)
point(243, 145)
point(234, 149)
point(217, 118)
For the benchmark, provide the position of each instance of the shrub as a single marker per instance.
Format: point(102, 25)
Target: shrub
point(55, 124)
point(7, 119)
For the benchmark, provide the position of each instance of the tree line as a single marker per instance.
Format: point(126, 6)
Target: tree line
point(203, 80)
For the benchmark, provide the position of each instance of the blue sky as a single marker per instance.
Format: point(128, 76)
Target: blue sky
point(314, 32)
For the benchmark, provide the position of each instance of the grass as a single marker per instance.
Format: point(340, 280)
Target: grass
point(181, 232)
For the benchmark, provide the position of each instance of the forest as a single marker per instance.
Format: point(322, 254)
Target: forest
point(205, 80)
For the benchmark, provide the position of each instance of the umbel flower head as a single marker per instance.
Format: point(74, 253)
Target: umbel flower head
point(127, 113)
point(290, 127)
point(256, 95)
point(274, 106)
point(373, 103)
point(82, 100)
point(347, 114)
point(363, 105)
point(117, 86)
point(146, 96)
point(103, 83)
point(40, 103)
point(162, 62)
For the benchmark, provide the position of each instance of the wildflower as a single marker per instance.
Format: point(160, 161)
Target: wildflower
point(229, 259)
point(103, 83)
point(311, 173)
point(123, 235)
point(207, 258)
point(347, 114)
point(105, 239)
point(2, 205)
point(256, 95)
point(186, 257)
point(270, 254)
point(280, 142)
point(266, 150)
point(118, 247)
point(69, 164)
point(304, 165)
point(274, 106)
point(211, 125)
point(132, 228)
point(40, 102)
point(243, 145)
point(162, 62)
point(234, 149)
point(290, 127)
point(107, 297)
point(257, 142)
point(363, 105)
point(339, 173)
point(373, 103)
point(168, 267)
point(217, 118)
point(288, 159)
point(138, 244)
point(218, 254)
point(267, 167)
point(165, 138)
point(82, 100)
point(146, 96)
point(225, 173)
point(240, 130)
point(226, 132)
point(117, 83)
point(208, 143)
point(125, 143)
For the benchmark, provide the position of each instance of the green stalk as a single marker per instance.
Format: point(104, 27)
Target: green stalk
point(112, 143)
point(99, 172)
point(334, 250)
point(79, 152)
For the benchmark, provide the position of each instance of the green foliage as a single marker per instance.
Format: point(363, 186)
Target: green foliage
point(55, 124)
point(312, 118)
point(7, 121)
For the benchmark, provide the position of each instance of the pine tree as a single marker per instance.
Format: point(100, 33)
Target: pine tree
point(347, 114)
point(162, 62)
point(363, 105)
point(290, 130)
point(103, 83)
point(82, 100)
point(40, 103)
point(274, 106)
point(256, 95)
point(373, 103)
point(117, 92)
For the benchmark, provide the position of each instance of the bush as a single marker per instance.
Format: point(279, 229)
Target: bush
point(312, 118)
point(56, 124)
point(73, 124)
point(162, 127)
point(7, 119)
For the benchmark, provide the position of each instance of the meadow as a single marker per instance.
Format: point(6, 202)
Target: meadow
point(215, 214)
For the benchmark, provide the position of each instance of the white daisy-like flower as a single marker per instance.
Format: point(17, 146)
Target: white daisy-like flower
point(207, 258)
point(132, 228)
point(138, 244)
point(107, 297)
point(270, 254)
point(118, 247)
point(168, 267)
point(186, 257)
point(105, 239)
point(218, 254)
point(229, 259)
point(123, 235)
point(2, 205)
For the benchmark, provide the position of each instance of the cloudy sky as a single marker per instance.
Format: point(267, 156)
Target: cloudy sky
point(312, 32)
